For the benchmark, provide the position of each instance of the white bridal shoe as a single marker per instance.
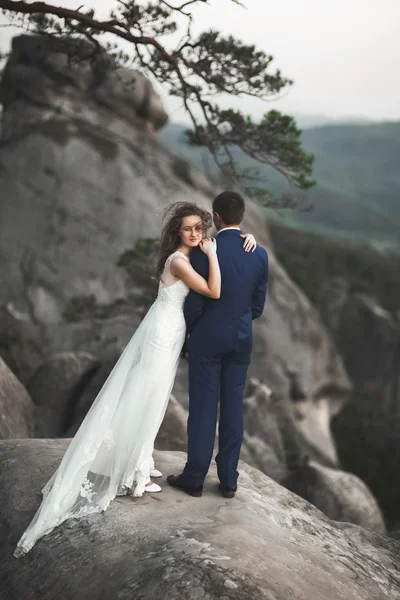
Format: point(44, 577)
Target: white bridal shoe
point(154, 487)
point(155, 473)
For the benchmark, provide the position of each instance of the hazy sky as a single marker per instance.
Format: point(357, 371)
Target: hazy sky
point(344, 55)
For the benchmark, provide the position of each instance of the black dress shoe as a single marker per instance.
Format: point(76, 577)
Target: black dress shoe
point(226, 491)
point(177, 482)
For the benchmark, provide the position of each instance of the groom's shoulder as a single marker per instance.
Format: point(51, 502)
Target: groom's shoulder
point(197, 257)
point(261, 252)
point(196, 253)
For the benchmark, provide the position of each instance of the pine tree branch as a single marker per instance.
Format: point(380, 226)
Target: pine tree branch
point(115, 27)
point(197, 70)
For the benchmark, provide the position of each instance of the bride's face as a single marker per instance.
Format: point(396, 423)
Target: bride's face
point(191, 231)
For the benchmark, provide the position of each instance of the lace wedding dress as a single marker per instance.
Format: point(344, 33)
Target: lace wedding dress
point(113, 447)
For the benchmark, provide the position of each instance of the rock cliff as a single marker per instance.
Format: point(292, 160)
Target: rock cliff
point(266, 543)
point(368, 429)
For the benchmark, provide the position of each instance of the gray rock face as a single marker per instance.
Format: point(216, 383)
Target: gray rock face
point(46, 75)
point(367, 431)
point(17, 411)
point(172, 433)
point(56, 387)
point(293, 341)
point(87, 396)
point(81, 182)
point(266, 543)
point(339, 495)
point(21, 342)
point(264, 420)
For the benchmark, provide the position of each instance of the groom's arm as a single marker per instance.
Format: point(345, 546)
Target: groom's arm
point(194, 303)
point(260, 293)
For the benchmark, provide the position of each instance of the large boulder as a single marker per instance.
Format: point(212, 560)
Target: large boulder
point(56, 387)
point(17, 411)
point(82, 182)
point(87, 396)
point(47, 73)
point(266, 543)
point(339, 495)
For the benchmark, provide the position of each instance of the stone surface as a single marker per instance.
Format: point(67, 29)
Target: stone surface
point(129, 93)
point(56, 387)
point(266, 543)
point(88, 396)
point(172, 434)
point(17, 411)
point(264, 422)
point(367, 431)
point(21, 342)
point(339, 495)
point(46, 74)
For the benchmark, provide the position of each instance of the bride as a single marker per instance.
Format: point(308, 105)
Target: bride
point(111, 453)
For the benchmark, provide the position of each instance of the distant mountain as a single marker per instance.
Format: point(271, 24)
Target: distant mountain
point(357, 167)
point(306, 121)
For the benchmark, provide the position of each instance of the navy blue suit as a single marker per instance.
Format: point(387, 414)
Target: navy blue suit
point(219, 345)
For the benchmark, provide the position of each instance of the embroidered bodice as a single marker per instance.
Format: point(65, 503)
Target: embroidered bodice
point(172, 291)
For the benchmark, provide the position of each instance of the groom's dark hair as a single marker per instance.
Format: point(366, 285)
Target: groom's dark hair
point(230, 207)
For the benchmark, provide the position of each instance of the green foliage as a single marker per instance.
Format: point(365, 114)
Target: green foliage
point(197, 70)
point(275, 141)
point(139, 263)
point(139, 260)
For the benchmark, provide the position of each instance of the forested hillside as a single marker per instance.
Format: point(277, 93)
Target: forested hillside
point(357, 168)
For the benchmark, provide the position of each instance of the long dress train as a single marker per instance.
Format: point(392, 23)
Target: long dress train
point(113, 447)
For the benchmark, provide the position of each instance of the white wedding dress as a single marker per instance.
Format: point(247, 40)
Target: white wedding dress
point(113, 447)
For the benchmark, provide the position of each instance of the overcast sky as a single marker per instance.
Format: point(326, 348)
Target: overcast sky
point(344, 55)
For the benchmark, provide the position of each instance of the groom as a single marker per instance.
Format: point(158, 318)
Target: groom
point(219, 345)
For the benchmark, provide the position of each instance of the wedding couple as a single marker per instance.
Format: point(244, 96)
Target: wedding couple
point(208, 300)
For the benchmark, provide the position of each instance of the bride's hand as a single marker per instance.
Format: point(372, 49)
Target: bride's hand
point(208, 246)
point(250, 243)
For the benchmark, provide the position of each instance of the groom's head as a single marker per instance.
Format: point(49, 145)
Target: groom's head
point(228, 210)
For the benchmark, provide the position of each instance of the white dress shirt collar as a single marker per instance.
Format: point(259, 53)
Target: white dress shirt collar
point(226, 228)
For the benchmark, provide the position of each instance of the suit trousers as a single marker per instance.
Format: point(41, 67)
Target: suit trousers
point(214, 376)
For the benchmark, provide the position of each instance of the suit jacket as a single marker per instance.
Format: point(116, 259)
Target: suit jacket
point(225, 325)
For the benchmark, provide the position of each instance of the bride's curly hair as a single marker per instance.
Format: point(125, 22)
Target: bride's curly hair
point(170, 236)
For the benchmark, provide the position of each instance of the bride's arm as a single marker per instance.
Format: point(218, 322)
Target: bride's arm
point(184, 270)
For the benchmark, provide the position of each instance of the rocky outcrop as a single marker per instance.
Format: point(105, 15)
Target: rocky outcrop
point(172, 434)
point(17, 411)
point(46, 76)
point(82, 181)
point(339, 495)
point(265, 428)
point(21, 341)
point(367, 431)
point(296, 359)
point(266, 543)
point(56, 387)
